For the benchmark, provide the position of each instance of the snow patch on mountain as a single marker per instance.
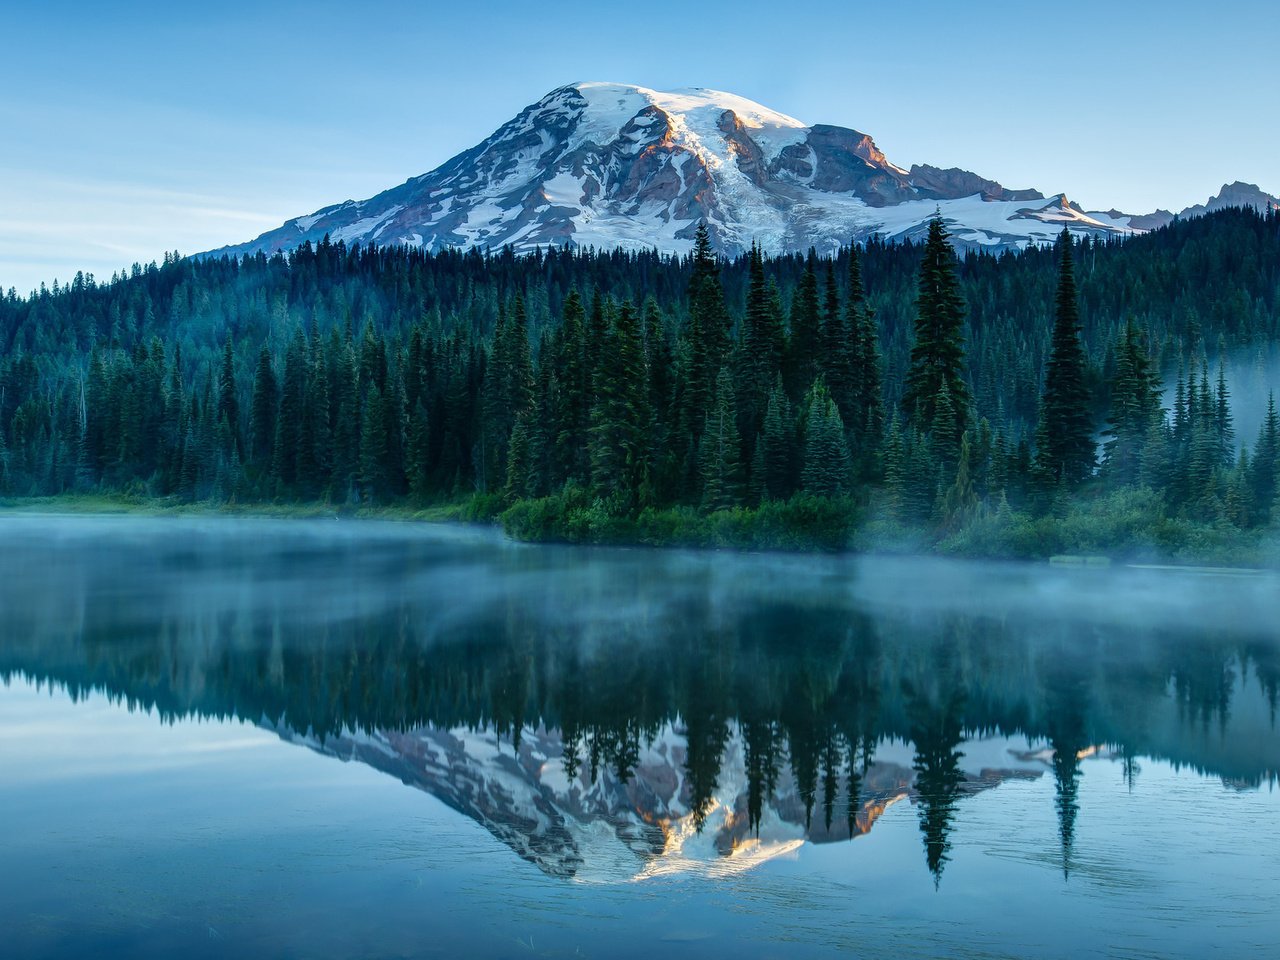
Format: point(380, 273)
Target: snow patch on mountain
point(609, 165)
point(596, 826)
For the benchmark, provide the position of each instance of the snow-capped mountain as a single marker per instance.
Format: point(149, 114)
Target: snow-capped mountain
point(603, 828)
point(606, 165)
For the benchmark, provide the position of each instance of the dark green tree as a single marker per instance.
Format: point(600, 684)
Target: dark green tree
point(1069, 456)
point(722, 474)
point(826, 457)
point(1134, 402)
point(262, 412)
point(937, 356)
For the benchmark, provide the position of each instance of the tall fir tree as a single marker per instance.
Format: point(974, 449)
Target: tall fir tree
point(621, 417)
point(1134, 401)
point(293, 399)
point(826, 456)
point(865, 401)
point(1070, 455)
point(778, 440)
point(937, 356)
point(228, 395)
point(721, 450)
point(262, 411)
point(805, 344)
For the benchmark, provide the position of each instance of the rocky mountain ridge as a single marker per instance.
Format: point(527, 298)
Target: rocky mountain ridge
point(608, 165)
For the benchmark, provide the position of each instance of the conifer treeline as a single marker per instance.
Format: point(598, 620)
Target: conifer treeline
point(637, 382)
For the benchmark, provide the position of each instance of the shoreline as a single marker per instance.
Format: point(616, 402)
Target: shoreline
point(715, 534)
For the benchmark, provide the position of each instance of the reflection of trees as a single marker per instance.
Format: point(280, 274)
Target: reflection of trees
point(1066, 693)
point(935, 701)
point(1265, 658)
point(811, 688)
point(1203, 676)
point(937, 736)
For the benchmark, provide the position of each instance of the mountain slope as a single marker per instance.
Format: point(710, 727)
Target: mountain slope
point(596, 826)
point(1237, 194)
point(608, 165)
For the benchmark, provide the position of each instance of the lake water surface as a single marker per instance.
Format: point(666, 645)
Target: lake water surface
point(225, 738)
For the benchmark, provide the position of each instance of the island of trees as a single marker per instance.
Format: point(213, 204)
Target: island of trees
point(1066, 398)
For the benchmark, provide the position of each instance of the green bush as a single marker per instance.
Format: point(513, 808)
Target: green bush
point(482, 508)
point(802, 523)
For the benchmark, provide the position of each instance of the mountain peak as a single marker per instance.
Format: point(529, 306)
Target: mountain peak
point(624, 97)
point(606, 164)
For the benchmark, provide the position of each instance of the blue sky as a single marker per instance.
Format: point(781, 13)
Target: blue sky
point(134, 128)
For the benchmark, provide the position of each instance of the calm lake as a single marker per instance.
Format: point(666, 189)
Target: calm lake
point(254, 738)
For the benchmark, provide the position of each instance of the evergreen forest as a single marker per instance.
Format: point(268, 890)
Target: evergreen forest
point(1081, 397)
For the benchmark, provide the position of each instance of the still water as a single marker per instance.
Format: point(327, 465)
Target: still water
point(332, 739)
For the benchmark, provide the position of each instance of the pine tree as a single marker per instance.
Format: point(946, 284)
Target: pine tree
point(826, 457)
point(1266, 454)
point(347, 426)
point(762, 345)
point(836, 361)
point(621, 416)
point(1069, 456)
point(757, 481)
point(319, 467)
point(419, 465)
point(937, 356)
point(508, 389)
point(373, 446)
point(865, 416)
point(262, 413)
point(945, 434)
point(721, 451)
point(1238, 501)
point(920, 478)
point(544, 425)
point(1224, 426)
point(895, 470)
point(778, 442)
point(292, 413)
point(4, 463)
point(228, 399)
point(518, 461)
point(960, 499)
point(1134, 401)
point(706, 334)
point(1155, 468)
point(574, 416)
point(806, 330)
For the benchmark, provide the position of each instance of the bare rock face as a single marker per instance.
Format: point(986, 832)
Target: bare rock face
point(953, 182)
point(746, 153)
point(847, 161)
point(613, 165)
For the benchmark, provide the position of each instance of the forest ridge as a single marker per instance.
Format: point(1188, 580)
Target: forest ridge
point(893, 393)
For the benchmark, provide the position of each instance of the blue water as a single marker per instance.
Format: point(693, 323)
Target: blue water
point(256, 739)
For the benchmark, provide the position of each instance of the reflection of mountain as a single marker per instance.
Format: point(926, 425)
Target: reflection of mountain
point(533, 797)
point(640, 694)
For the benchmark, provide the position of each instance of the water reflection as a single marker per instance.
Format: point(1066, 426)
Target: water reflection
point(617, 714)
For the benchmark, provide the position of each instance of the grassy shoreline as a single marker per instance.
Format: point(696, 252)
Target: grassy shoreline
point(125, 505)
point(1120, 532)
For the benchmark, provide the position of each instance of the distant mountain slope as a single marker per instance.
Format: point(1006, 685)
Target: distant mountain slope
point(608, 165)
point(1237, 194)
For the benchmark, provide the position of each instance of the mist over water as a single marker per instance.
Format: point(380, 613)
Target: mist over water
point(608, 752)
